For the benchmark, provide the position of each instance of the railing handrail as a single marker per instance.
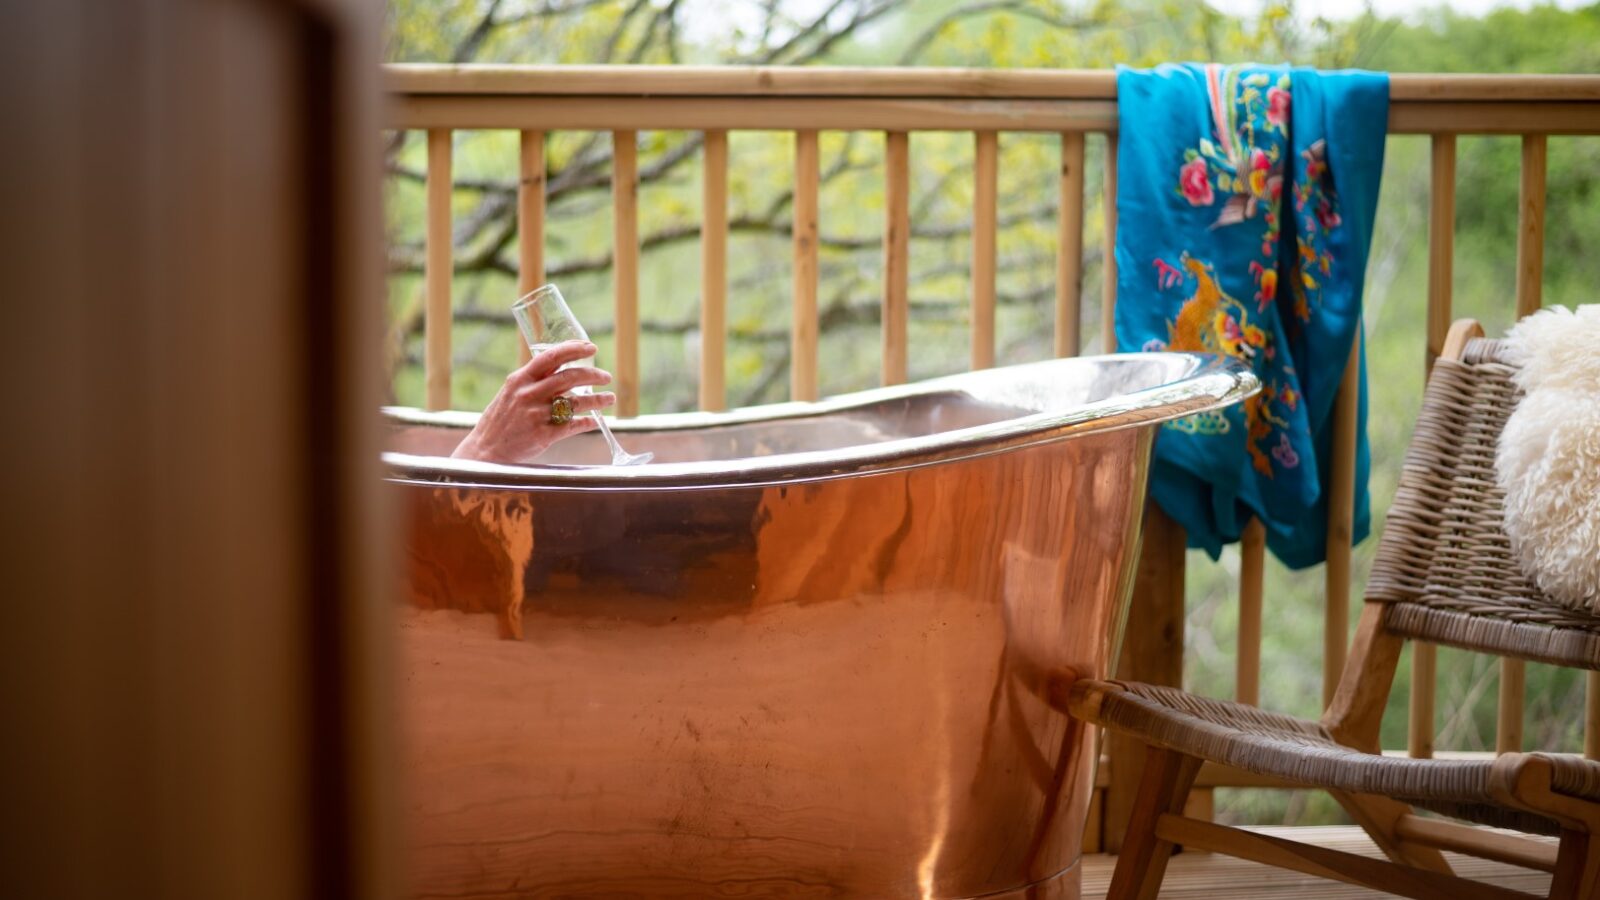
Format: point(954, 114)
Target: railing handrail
point(922, 82)
point(755, 98)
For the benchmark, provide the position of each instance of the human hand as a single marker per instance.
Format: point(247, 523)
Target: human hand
point(515, 427)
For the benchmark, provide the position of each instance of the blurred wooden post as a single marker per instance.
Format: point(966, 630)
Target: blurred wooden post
point(803, 331)
point(1152, 652)
point(1108, 299)
point(985, 172)
point(714, 272)
point(625, 272)
point(530, 221)
point(1252, 563)
point(1341, 523)
point(438, 262)
point(896, 254)
point(198, 641)
point(1069, 248)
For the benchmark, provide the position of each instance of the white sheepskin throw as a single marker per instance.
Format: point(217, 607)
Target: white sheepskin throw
point(1548, 461)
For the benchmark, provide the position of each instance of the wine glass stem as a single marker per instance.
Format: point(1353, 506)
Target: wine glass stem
point(611, 440)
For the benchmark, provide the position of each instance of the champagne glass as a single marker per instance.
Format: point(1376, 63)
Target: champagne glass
point(546, 320)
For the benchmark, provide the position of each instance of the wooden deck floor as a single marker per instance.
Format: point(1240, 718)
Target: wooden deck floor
point(1194, 875)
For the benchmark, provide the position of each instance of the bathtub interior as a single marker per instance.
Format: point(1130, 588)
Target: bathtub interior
point(852, 420)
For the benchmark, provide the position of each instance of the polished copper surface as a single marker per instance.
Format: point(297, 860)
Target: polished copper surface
point(829, 686)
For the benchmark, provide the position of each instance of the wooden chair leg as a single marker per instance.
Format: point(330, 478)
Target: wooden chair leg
point(1163, 788)
point(1377, 816)
point(1577, 875)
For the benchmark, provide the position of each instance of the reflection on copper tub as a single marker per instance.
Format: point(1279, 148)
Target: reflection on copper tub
point(810, 652)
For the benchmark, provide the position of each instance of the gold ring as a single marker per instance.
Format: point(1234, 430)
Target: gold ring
point(560, 410)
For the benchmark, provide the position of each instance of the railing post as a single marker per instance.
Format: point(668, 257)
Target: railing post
point(714, 272)
point(1441, 264)
point(1108, 298)
point(1069, 248)
point(438, 261)
point(1530, 286)
point(1341, 523)
point(896, 254)
point(985, 172)
point(1252, 563)
point(530, 219)
point(625, 271)
point(803, 331)
point(1152, 652)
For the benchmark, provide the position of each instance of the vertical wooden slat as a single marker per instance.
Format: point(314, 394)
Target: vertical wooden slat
point(714, 271)
point(1069, 247)
point(803, 332)
point(1591, 719)
point(1508, 723)
point(1419, 735)
point(1341, 527)
point(985, 172)
point(1108, 300)
point(530, 220)
point(1441, 263)
point(1252, 559)
point(1152, 652)
point(625, 271)
point(1441, 242)
point(896, 251)
point(1530, 226)
point(1530, 283)
point(437, 264)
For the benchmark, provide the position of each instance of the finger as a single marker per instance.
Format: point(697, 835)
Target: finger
point(544, 364)
point(579, 426)
point(568, 380)
point(583, 404)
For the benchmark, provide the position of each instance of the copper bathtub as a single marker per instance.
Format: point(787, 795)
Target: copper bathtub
point(809, 653)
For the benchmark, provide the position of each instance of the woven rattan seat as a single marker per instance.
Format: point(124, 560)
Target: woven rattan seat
point(1444, 573)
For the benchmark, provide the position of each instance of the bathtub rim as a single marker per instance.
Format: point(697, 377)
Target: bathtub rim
point(1210, 382)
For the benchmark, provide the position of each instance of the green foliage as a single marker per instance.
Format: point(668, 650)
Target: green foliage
point(1033, 33)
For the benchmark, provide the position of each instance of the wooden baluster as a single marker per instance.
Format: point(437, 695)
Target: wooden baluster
point(1441, 243)
point(625, 271)
point(1508, 723)
point(1252, 560)
point(1591, 719)
point(714, 272)
point(896, 253)
point(530, 221)
point(438, 261)
point(1341, 523)
point(1424, 665)
point(1530, 226)
point(1069, 247)
point(803, 332)
point(1108, 299)
point(1441, 263)
point(986, 176)
point(1530, 283)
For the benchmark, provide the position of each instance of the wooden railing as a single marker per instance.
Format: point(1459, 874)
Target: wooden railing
point(987, 103)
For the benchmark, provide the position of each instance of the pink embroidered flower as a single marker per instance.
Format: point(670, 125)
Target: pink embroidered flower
point(1290, 398)
point(1284, 452)
point(1277, 106)
point(1260, 166)
point(1327, 215)
point(1195, 181)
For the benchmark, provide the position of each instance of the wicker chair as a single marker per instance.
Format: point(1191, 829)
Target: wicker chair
point(1443, 574)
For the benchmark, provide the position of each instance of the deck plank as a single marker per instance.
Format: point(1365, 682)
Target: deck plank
point(1215, 875)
